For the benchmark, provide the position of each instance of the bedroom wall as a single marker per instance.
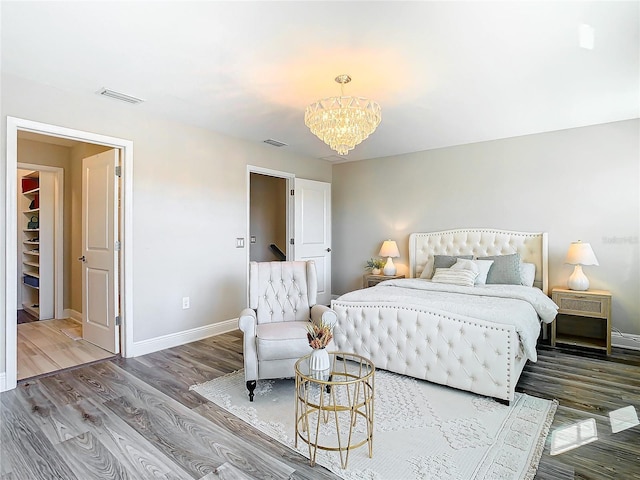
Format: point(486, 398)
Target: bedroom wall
point(578, 184)
point(189, 203)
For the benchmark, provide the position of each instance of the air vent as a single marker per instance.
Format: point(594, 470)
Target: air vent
point(334, 159)
point(275, 143)
point(123, 97)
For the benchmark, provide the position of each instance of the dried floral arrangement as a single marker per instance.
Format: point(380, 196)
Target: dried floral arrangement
point(319, 335)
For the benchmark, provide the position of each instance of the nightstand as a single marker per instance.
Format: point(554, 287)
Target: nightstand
point(369, 280)
point(584, 318)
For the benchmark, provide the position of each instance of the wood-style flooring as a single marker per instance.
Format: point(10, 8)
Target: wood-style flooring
point(137, 419)
point(43, 347)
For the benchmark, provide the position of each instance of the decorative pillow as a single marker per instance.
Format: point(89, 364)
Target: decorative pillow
point(428, 269)
point(464, 264)
point(527, 274)
point(454, 277)
point(480, 266)
point(505, 269)
point(447, 261)
point(440, 261)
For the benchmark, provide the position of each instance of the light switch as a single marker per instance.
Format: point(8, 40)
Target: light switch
point(252, 239)
point(240, 242)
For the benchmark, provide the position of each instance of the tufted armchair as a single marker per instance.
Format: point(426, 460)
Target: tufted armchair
point(282, 302)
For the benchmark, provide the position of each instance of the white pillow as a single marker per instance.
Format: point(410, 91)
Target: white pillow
point(428, 269)
point(481, 267)
point(454, 277)
point(464, 264)
point(527, 274)
point(484, 266)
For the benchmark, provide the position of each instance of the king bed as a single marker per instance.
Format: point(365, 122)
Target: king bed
point(468, 317)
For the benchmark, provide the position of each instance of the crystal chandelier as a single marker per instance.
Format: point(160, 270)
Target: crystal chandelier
point(342, 122)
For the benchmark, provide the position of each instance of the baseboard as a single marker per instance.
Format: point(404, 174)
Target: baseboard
point(625, 340)
point(3, 382)
point(72, 314)
point(180, 338)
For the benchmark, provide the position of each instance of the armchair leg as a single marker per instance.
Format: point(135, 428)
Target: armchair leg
point(251, 386)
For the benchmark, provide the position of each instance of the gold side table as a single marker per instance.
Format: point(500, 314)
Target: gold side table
point(334, 407)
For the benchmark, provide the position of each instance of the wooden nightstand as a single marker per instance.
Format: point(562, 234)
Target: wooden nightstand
point(369, 280)
point(584, 318)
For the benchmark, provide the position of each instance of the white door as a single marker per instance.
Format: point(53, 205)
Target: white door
point(99, 255)
point(312, 230)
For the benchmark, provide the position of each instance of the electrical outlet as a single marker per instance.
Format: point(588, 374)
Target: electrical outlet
point(185, 303)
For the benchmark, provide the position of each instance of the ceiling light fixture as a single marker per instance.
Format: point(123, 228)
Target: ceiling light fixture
point(343, 122)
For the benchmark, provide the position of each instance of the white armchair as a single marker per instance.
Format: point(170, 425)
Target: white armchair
point(282, 302)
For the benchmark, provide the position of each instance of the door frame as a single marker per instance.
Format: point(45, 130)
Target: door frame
point(14, 125)
point(289, 177)
point(58, 233)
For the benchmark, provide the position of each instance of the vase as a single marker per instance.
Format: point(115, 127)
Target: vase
point(319, 360)
point(375, 271)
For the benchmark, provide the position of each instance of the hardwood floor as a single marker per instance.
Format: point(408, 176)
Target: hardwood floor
point(136, 418)
point(43, 347)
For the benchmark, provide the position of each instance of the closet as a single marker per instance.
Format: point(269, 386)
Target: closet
point(36, 242)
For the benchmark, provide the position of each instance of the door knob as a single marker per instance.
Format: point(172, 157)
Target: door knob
point(328, 249)
point(82, 258)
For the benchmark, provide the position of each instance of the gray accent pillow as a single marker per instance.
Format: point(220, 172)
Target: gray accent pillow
point(447, 261)
point(505, 269)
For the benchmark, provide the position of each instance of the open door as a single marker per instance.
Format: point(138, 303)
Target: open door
point(312, 229)
point(99, 253)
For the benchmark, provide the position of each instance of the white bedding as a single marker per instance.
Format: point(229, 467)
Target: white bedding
point(516, 305)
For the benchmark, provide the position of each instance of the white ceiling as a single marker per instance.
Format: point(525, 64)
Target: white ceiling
point(445, 73)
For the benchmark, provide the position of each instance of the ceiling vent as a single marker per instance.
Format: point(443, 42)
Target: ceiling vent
point(275, 143)
point(123, 97)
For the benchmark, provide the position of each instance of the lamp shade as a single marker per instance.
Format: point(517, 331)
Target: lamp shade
point(389, 249)
point(581, 254)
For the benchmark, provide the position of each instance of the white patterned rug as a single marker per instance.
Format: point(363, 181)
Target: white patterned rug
point(421, 430)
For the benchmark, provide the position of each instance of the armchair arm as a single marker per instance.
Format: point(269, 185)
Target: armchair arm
point(322, 313)
point(248, 321)
point(247, 324)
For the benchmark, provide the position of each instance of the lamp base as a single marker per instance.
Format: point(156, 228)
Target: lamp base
point(389, 267)
point(578, 280)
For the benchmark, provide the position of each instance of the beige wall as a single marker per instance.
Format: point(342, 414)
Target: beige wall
point(189, 203)
point(578, 184)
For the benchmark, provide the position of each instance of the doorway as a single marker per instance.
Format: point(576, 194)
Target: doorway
point(20, 127)
point(306, 214)
point(267, 218)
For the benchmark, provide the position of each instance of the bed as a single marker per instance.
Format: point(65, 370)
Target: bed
point(472, 336)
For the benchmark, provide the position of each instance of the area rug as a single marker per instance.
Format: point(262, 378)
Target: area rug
point(421, 430)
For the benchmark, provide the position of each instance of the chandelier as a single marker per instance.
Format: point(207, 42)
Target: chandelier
point(342, 122)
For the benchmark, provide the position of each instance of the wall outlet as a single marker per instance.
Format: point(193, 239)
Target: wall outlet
point(185, 303)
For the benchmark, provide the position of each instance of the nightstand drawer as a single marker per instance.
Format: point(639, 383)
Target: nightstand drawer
point(585, 305)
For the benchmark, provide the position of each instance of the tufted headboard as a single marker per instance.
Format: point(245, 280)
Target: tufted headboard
point(479, 242)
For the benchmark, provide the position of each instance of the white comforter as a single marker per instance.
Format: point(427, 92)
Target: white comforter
point(514, 305)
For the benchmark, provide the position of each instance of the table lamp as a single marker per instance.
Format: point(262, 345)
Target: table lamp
point(580, 254)
point(389, 249)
